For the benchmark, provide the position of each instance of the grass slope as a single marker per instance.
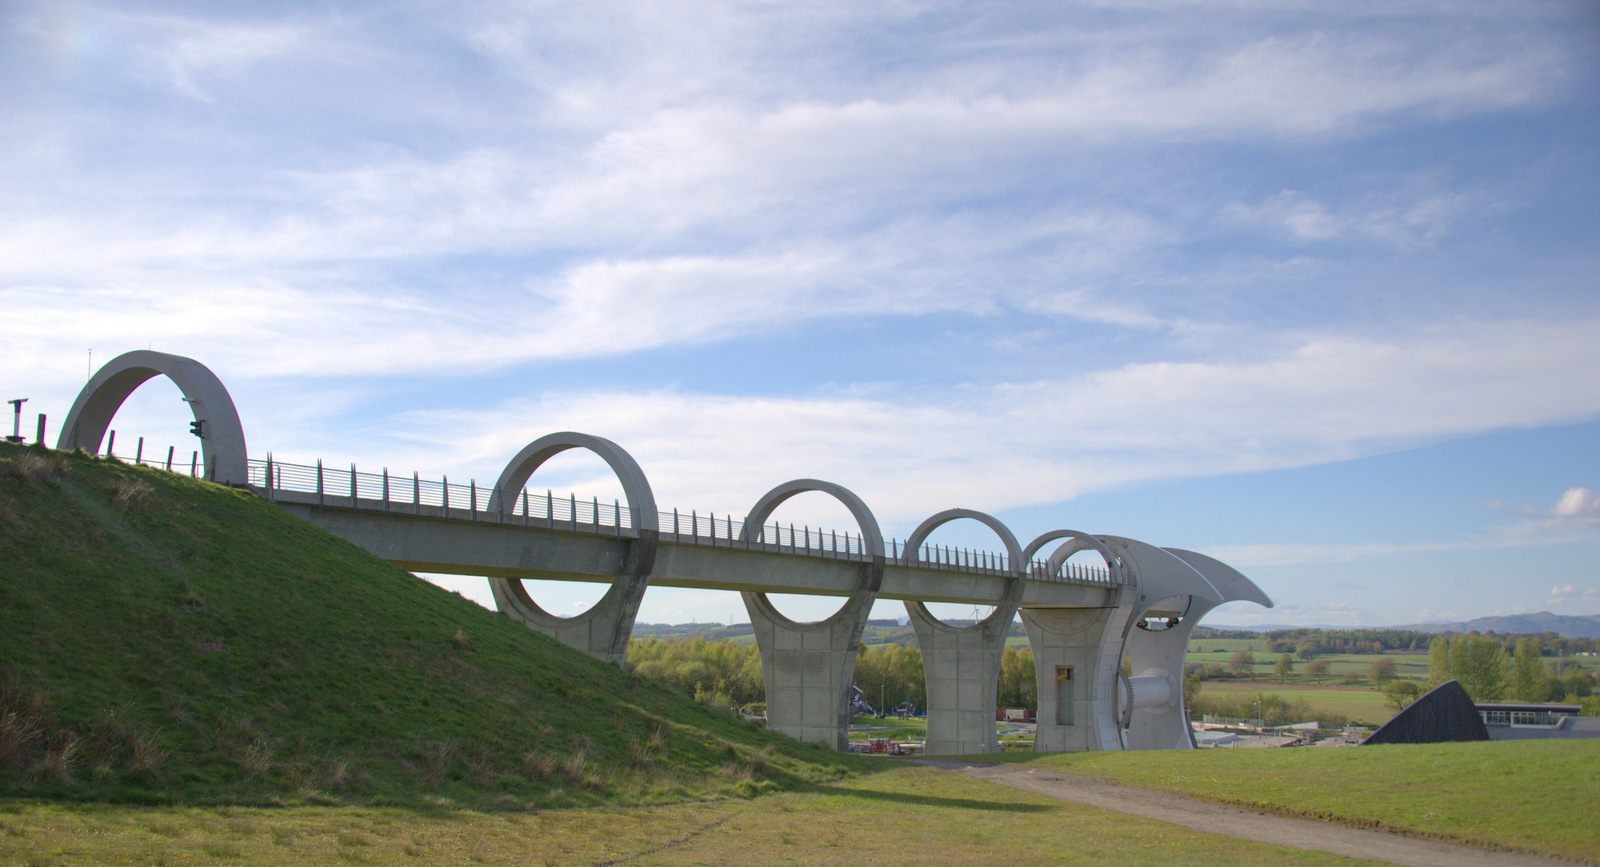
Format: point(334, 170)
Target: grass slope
point(166, 640)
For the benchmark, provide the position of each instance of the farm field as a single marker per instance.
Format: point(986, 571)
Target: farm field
point(1364, 706)
point(900, 814)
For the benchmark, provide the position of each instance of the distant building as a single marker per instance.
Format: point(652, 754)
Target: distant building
point(1509, 721)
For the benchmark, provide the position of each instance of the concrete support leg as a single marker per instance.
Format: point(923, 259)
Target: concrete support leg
point(1158, 719)
point(962, 667)
point(601, 632)
point(809, 667)
point(1076, 655)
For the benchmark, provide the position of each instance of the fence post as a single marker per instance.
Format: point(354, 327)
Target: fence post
point(40, 438)
point(138, 452)
point(194, 463)
point(111, 444)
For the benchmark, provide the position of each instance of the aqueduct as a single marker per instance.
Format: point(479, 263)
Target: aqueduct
point(1082, 623)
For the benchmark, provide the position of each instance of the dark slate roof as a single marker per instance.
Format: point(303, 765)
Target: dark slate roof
point(1444, 713)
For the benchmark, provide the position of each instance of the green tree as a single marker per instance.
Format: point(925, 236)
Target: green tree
point(1577, 684)
point(1242, 662)
point(1381, 672)
point(1284, 666)
point(1479, 663)
point(1401, 693)
point(1317, 668)
point(1530, 680)
point(1439, 660)
point(1191, 688)
point(1017, 686)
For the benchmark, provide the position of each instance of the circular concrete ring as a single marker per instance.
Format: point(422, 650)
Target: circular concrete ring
point(635, 487)
point(871, 580)
point(221, 434)
point(1014, 556)
point(1079, 542)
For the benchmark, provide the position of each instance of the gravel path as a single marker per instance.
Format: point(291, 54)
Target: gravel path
point(1239, 822)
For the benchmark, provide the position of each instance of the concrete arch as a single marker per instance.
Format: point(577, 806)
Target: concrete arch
point(221, 434)
point(808, 668)
point(604, 629)
point(1078, 541)
point(1017, 564)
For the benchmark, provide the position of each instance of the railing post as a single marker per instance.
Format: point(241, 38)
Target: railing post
point(674, 523)
point(549, 510)
point(319, 484)
point(572, 504)
point(694, 527)
point(386, 489)
point(596, 507)
point(416, 494)
point(616, 515)
point(472, 504)
point(524, 507)
point(447, 498)
point(269, 478)
point(355, 497)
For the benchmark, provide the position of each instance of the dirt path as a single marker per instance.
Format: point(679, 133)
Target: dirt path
point(1239, 822)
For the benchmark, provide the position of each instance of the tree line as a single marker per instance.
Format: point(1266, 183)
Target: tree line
point(728, 674)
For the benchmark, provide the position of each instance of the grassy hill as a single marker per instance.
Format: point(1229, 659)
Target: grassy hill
point(166, 640)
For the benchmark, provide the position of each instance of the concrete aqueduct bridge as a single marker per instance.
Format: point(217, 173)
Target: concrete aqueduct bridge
point(1139, 605)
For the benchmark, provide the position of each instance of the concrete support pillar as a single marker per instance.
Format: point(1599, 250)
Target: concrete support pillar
point(1077, 654)
point(962, 667)
point(808, 668)
point(962, 664)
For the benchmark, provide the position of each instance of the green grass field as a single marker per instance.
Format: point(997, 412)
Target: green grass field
point(1362, 705)
point(901, 814)
point(1535, 796)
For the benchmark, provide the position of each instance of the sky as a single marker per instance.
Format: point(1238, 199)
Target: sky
point(1313, 288)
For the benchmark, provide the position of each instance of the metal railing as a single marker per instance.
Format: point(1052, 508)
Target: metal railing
point(383, 491)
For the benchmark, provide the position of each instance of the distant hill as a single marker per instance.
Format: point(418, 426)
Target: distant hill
point(1571, 626)
point(167, 640)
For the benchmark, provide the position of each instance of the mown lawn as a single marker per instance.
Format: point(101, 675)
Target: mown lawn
point(1535, 796)
point(899, 815)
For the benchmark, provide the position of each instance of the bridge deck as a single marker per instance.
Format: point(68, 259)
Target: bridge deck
point(422, 538)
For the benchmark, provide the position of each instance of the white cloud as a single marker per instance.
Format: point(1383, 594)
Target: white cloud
point(1571, 594)
point(1578, 507)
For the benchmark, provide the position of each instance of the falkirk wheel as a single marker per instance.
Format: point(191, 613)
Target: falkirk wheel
point(1108, 655)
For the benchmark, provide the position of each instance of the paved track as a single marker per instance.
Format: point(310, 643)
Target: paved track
point(1238, 822)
